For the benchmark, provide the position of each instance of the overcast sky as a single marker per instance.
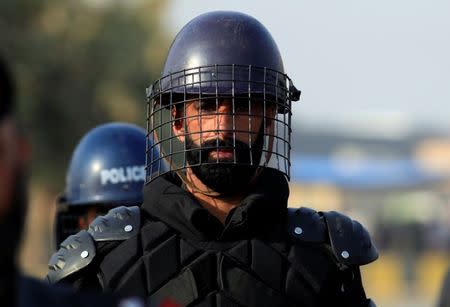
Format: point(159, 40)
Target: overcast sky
point(378, 65)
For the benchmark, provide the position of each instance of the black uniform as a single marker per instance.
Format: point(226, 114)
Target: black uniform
point(172, 250)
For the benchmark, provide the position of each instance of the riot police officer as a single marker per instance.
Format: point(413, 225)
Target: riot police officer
point(107, 169)
point(16, 289)
point(215, 229)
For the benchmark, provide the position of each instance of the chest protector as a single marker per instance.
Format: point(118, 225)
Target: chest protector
point(312, 260)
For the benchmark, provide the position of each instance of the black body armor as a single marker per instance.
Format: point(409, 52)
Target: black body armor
point(263, 256)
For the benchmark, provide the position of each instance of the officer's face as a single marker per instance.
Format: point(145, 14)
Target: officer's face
point(216, 131)
point(14, 153)
point(209, 120)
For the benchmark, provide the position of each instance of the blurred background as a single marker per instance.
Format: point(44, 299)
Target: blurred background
point(371, 135)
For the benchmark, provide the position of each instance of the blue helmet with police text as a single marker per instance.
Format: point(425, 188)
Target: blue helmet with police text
point(107, 167)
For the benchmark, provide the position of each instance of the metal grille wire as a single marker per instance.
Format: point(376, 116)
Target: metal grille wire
point(232, 93)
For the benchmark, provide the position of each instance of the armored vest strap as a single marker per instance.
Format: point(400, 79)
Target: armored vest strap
point(217, 273)
point(78, 250)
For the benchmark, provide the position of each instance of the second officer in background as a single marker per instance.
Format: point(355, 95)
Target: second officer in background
point(107, 169)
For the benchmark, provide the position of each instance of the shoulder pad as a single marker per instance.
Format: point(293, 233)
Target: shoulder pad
point(349, 240)
point(75, 253)
point(119, 223)
point(305, 224)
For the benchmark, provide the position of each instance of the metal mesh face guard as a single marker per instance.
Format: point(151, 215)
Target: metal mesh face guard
point(220, 114)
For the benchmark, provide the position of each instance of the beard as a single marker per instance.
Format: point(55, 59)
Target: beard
point(227, 177)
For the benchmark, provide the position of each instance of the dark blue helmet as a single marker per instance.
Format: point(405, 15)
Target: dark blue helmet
point(224, 53)
point(107, 169)
point(222, 56)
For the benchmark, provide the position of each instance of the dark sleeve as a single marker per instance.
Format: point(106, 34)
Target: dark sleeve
point(32, 292)
point(86, 279)
point(345, 288)
point(444, 298)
